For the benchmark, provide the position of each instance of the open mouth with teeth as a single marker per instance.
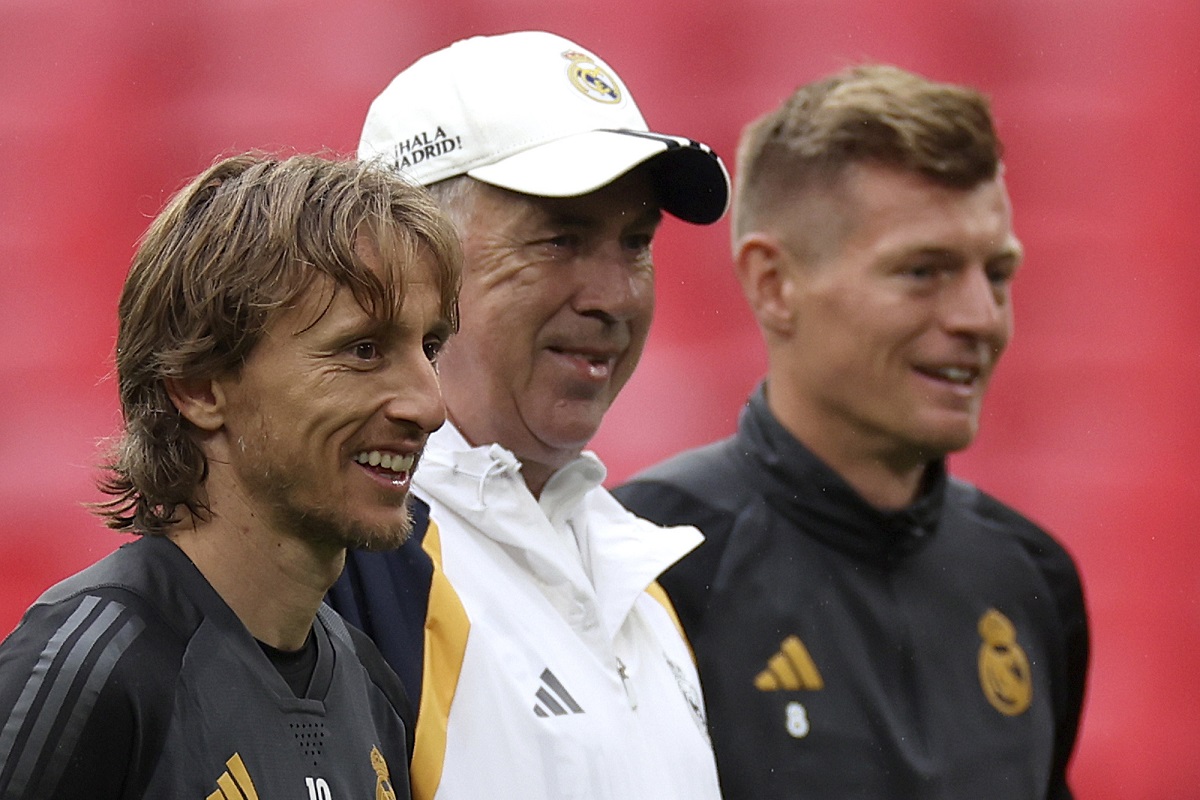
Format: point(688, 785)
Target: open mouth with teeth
point(963, 376)
point(593, 366)
point(390, 465)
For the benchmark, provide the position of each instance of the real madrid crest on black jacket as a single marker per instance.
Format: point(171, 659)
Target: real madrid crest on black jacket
point(133, 679)
point(937, 653)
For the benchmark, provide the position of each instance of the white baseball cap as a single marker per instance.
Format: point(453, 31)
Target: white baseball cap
point(534, 113)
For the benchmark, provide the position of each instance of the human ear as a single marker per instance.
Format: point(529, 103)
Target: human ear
point(765, 270)
point(201, 401)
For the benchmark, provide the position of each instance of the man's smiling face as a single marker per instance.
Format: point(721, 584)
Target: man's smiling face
point(557, 298)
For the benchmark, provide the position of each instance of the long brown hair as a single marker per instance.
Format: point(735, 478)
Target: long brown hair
point(239, 243)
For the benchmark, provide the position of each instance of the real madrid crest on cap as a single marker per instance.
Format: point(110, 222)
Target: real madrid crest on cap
point(590, 78)
point(1003, 665)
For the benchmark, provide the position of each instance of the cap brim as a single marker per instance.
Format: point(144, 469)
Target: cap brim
point(691, 182)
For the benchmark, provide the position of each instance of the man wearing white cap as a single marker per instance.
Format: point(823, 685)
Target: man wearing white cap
point(523, 615)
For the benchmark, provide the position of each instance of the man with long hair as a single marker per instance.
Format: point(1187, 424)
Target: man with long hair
point(275, 361)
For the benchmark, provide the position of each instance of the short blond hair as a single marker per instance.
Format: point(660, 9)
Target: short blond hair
point(876, 114)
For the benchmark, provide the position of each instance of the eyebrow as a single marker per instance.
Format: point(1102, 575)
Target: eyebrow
point(442, 327)
point(650, 215)
point(1011, 251)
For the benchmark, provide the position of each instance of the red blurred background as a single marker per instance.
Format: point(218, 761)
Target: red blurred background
point(106, 108)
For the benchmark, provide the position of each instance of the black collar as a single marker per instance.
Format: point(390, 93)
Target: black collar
point(800, 487)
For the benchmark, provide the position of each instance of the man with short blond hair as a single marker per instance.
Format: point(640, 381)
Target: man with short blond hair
point(865, 625)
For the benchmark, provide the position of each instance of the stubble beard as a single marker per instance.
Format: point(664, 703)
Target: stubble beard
point(286, 500)
point(326, 527)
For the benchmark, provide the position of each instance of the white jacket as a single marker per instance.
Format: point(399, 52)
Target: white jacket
point(576, 681)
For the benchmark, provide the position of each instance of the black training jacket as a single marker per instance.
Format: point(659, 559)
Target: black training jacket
point(935, 653)
point(133, 679)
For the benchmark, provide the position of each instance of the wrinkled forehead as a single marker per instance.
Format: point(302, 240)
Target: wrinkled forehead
point(895, 206)
point(889, 208)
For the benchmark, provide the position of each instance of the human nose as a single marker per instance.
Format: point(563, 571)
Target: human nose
point(978, 307)
point(614, 286)
point(416, 395)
